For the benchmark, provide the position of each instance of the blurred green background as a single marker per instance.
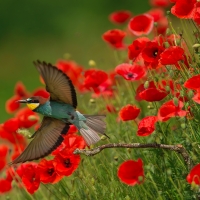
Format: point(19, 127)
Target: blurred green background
point(46, 30)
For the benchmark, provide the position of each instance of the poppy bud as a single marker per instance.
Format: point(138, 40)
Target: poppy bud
point(167, 88)
point(92, 181)
point(140, 178)
point(146, 84)
point(168, 32)
point(32, 117)
point(196, 47)
point(87, 191)
point(166, 44)
point(92, 101)
point(194, 144)
point(183, 125)
point(67, 56)
point(171, 73)
point(175, 100)
point(194, 158)
point(190, 94)
point(92, 63)
point(116, 158)
point(178, 42)
point(181, 81)
point(169, 172)
point(194, 186)
point(103, 137)
point(127, 198)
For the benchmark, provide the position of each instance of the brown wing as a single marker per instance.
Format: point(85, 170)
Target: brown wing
point(47, 138)
point(57, 83)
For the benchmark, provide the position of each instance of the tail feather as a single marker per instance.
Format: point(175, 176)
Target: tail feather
point(95, 125)
point(90, 136)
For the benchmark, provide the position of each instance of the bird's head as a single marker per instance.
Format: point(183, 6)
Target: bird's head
point(32, 102)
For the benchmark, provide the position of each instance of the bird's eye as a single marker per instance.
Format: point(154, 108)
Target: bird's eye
point(29, 101)
point(32, 101)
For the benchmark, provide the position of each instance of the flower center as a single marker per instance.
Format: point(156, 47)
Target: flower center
point(131, 75)
point(50, 171)
point(155, 53)
point(67, 163)
point(33, 179)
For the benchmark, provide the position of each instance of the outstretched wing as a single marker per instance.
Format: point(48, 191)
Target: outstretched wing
point(47, 138)
point(57, 83)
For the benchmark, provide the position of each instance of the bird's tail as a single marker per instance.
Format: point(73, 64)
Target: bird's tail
point(91, 129)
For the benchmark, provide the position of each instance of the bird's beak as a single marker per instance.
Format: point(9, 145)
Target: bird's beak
point(21, 101)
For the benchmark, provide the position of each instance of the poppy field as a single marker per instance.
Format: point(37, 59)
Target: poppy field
point(151, 101)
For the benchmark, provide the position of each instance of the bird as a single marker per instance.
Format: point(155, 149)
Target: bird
point(59, 112)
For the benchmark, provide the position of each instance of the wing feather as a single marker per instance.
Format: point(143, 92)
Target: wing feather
point(47, 138)
point(57, 83)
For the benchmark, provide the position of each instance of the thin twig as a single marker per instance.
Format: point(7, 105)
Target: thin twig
point(177, 148)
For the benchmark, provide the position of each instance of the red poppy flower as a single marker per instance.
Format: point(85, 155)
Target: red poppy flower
point(130, 72)
point(3, 153)
point(129, 112)
point(160, 3)
point(94, 78)
point(20, 90)
point(71, 142)
point(131, 172)
point(162, 25)
point(104, 90)
point(110, 108)
point(27, 118)
point(193, 83)
point(168, 110)
point(72, 130)
point(66, 162)
point(41, 92)
point(74, 141)
point(171, 55)
point(120, 17)
point(196, 16)
point(152, 93)
point(196, 97)
point(141, 24)
point(5, 186)
point(19, 93)
point(151, 53)
point(12, 105)
point(47, 172)
point(194, 175)
point(147, 126)
point(156, 13)
point(30, 177)
point(10, 173)
point(159, 17)
point(13, 137)
point(136, 47)
point(73, 70)
point(114, 38)
point(11, 125)
point(184, 8)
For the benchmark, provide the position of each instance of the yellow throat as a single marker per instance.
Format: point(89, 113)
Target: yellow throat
point(32, 106)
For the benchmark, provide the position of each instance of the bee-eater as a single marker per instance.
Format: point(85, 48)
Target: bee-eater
point(59, 112)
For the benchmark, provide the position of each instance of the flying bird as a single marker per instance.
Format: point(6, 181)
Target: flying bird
point(59, 112)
